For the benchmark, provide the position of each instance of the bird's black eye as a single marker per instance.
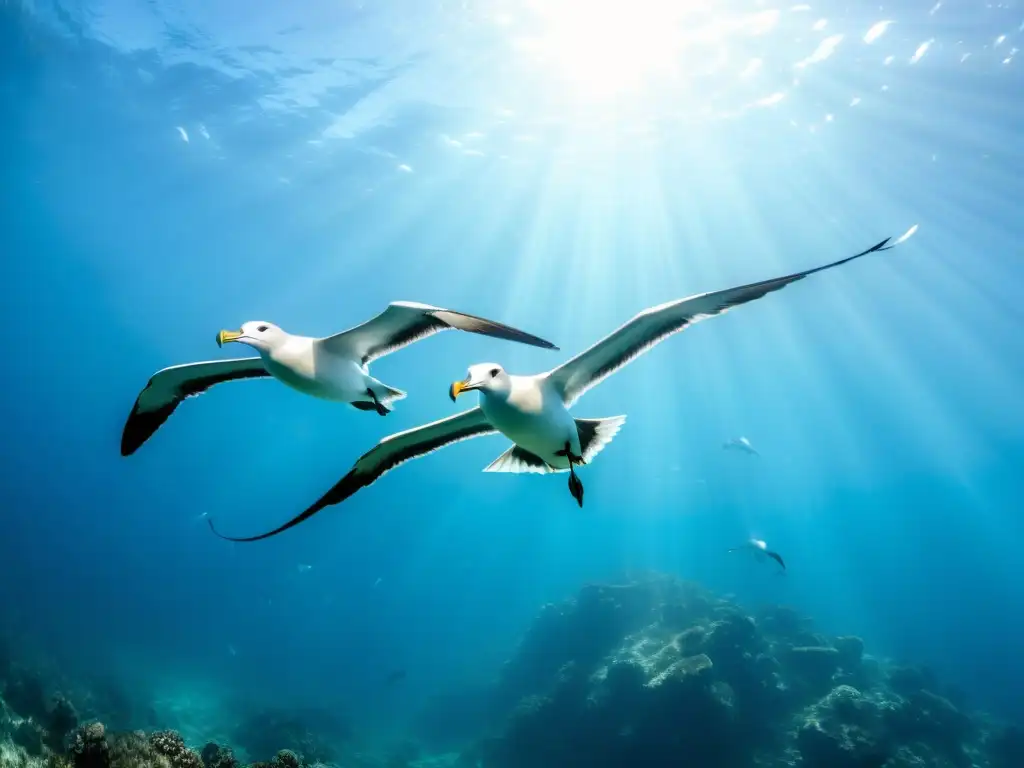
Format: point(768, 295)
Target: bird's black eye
point(494, 372)
point(261, 328)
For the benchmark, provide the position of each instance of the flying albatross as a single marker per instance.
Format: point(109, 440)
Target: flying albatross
point(740, 444)
point(331, 368)
point(760, 550)
point(533, 411)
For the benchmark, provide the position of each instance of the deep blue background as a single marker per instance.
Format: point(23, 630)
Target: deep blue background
point(885, 397)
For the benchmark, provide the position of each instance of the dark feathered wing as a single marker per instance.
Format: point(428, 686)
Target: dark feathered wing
point(404, 322)
point(168, 387)
point(656, 324)
point(776, 557)
point(385, 456)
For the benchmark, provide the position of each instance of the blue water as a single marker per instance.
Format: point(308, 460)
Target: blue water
point(174, 168)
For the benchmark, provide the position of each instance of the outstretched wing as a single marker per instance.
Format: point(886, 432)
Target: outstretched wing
point(385, 456)
point(656, 324)
point(777, 558)
point(168, 387)
point(404, 322)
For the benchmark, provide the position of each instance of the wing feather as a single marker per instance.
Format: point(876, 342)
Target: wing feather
point(167, 388)
point(652, 326)
point(386, 455)
point(404, 322)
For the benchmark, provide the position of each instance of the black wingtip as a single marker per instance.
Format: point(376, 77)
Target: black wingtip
point(528, 338)
point(344, 488)
point(217, 533)
point(220, 535)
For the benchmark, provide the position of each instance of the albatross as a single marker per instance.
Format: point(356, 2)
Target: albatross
point(533, 411)
point(740, 444)
point(331, 368)
point(760, 550)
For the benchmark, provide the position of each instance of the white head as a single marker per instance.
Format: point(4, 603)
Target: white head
point(758, 544)
point(488, 378)
point(258, 334)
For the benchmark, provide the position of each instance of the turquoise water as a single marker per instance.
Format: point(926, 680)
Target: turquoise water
point(172, 169)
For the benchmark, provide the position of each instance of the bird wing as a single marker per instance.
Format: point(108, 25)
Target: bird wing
point(385, 456)
point(167, 388)
point(404, 322)
point(654, 325)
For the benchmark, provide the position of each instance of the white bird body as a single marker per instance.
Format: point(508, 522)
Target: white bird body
point(532, 415)
point(305, 366)
point(330, 368)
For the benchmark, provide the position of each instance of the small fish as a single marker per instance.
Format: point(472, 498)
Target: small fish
point(394, 677)
point(740, 444)
point(303, 567)
point(377, 581)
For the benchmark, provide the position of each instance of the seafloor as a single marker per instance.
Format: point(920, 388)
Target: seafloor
point(652, 674)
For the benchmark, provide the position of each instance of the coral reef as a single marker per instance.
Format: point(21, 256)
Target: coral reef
point(314, 735)
point(652, 674)
point(217, 756)
point(89, 748)
point(661, 673)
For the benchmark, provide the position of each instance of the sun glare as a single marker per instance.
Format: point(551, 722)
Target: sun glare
point(604, 47)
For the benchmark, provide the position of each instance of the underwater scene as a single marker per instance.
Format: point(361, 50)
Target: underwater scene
point(512, 384)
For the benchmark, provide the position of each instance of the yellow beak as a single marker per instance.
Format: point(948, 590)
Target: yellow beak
point(225, 336)
point(457, 389)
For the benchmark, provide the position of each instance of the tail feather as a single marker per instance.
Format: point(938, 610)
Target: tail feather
point(387, 394)
point(595, 434)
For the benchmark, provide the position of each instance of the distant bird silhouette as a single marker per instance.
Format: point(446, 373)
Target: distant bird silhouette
point(760, 550)
point(740, 444)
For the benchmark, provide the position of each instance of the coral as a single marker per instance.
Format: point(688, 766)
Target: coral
point(656, 675)
point(812, 666)
point(216, 756)
point(29, 736)
point(929, 718)
point(61, 719)
point(133, 750)
point(162, 749)
point(582, 630)
point(907, 681)
point(13, 756)
point(89, 748)
point(314, 735)
point(285, 758)
point(172, 746)
point(841, 731)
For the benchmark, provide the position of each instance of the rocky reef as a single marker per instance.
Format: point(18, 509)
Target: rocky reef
point(40, 728)
point(662, 673)
point(656, 673)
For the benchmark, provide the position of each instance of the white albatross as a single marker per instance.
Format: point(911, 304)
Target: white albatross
point(533, 411)
point(331, 368)
point(760, 550)
point(740, 444)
